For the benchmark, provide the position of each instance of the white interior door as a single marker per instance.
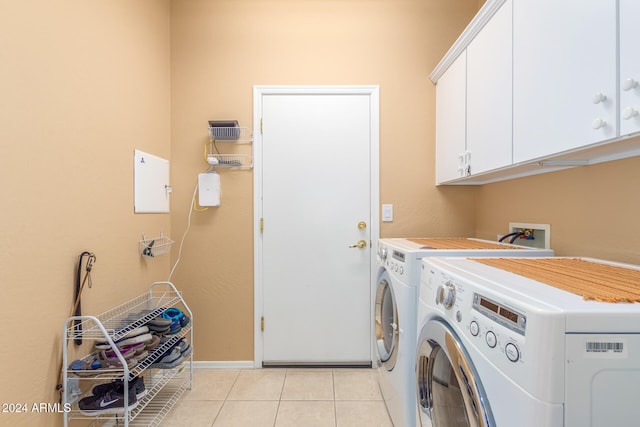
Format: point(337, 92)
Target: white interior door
point(315, 160)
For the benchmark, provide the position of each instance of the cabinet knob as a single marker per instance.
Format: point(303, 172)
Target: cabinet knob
point(629, 112)
point(598, 124)
point(598, 98)
point(629, 84)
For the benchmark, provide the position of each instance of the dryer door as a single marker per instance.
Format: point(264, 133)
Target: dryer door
point(386, 322)
point(450, 393)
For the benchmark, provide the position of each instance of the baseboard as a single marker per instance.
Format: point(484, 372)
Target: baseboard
point(231, 364)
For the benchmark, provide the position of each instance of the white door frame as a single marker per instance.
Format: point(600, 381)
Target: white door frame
point(258, 92)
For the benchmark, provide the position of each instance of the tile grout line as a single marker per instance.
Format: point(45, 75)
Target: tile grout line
point(335, 410)
point(226, 397)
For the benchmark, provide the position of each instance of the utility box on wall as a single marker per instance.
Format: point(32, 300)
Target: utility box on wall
point(151, 183)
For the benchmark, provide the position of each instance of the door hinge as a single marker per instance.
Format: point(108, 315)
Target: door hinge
point(262, 324)
point(260, 125)
point(261, 225)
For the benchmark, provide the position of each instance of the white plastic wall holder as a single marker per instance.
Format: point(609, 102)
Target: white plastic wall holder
point(209, 189)
point(151, 248)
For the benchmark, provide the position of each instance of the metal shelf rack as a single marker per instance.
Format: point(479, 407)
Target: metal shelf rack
point(164, 386)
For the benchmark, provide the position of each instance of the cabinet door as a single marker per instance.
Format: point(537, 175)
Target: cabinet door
point(450, 121)
point(489, 92)
point(564, 58)
point(629, 67)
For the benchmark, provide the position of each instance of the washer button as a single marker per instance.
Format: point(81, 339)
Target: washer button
point(474, 328)
point(401, 270)
point(512, 352)
point(491, 339)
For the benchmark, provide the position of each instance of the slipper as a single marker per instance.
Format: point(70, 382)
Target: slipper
point(127, 352)
point(184, 321)
point(173, 314)
point(160, 329)
point(95, 366)
point(159, 322)
point(134, 336)
point(184, 347)
point(151, 345)
point(170, 359)
point(143, 338)
point(114, 362)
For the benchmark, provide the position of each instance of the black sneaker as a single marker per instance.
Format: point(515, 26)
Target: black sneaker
point(112, 402)
point(136, 384)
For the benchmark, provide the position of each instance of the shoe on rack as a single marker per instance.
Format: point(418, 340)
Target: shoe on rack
point(112, 402)
point(175, 315)
point(153, 344)
point(127, 351)
point(134, 336)
point(97, 364)
point(183, 346)
point(160, 330)
point(136, 384)
point(159, 322)
point(184, 320)
point(111, 362)
point(169, 359)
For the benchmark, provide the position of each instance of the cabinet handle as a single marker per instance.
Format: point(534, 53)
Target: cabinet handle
point(598, 98)
point(629, 84)
point(598, 124)
point(629, 112)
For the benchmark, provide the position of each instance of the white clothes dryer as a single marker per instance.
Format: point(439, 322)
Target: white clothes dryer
point(396, 305)
point(528, 345)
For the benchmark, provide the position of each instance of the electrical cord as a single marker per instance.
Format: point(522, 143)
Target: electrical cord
point(191, 209)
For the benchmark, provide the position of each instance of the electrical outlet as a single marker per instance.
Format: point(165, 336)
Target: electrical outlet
point(535, 235)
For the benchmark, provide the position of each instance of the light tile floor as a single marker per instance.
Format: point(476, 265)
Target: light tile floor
point(276, 397)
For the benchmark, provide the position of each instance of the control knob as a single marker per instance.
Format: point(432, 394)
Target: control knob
point(474, 328)
point(512, 352)
point(446, 294)
point(383, 253)
point(491, 339)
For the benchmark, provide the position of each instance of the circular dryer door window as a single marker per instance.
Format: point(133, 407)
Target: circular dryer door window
point(386, 322)
point(449, 391)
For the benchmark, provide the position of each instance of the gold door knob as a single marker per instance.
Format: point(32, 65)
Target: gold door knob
point(362, 225)
point(361, 244)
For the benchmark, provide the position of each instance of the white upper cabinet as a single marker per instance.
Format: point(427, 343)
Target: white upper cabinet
point(629, 67)
point(450, 121)
point(545, 85)
point(489, 94)
point(564, 75)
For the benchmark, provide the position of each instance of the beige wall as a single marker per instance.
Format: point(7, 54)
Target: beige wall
point(592, 209)
point(82, 85)
point(85, 83)
point(221, 49)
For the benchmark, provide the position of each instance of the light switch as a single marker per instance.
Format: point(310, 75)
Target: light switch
point(387, 213)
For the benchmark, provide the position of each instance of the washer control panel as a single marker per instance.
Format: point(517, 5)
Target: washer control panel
point(499, 328)
point(495, 328)
point(507, 317)
point(393, 259)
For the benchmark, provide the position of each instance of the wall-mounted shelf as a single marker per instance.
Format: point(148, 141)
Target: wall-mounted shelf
point(231, 135)
point(229, 160)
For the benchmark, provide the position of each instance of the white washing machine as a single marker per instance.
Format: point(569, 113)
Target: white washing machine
point(505, 346)
point(396, 305)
